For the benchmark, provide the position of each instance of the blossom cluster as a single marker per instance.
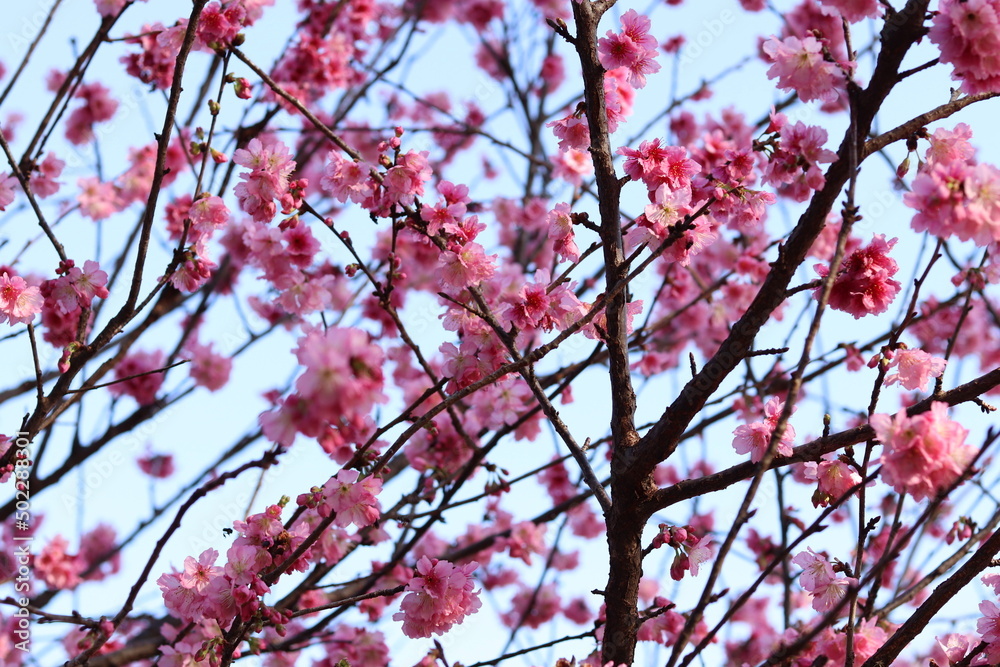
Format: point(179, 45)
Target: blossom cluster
point(923, 454)
point(864, 284)
point(953, 194)
point(968, 34)
point(439, 595)
point(633, 49)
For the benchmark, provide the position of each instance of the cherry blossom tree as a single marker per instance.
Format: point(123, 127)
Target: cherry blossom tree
point(554, 359)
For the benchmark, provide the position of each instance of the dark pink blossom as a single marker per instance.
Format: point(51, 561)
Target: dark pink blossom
point(864, 284)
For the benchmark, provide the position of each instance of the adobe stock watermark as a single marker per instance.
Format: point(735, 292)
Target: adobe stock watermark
point(22, 539)
point(713, 29)
point(20, 40)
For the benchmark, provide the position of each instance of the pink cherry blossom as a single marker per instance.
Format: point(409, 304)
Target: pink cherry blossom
point(834, 479)
point(19, 302)
point(914, 369)
point(864, 284)
point(98, 107)
point(157, 466)
point(209, 369)
point(353, 501)
point(154, 64)
point(43, 179)
point(439, 596)
point(88, 282)
point(922, 454)
point(56, 567)
point(8, 188)
point(270, 167)
point(98, 200)
point(143, 387)
point(755, 437)
point(799, 65)
point(968, 34)
point(988, 627)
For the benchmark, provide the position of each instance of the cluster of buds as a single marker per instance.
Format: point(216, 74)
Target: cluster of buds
point(961, 530)
point(691, 550)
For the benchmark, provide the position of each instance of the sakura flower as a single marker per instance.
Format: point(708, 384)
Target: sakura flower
point(57, 568)
point(968, 34)
point(700, 553)
point(800, 65)
point(155, 62)
point(572, 165)
point(439, 596)
point(834, 479)
point(657, 165)
point(98, 200)
point(526, 538)
point(157, 466)
point(989, 629)
point(465, 267)
point(97, 107)
point(815, 568)
point(199, 573)
point(922, 454)
point(209, 369)
point(989, 625)
point(8, 187)
point(819, 579)
point(352, 501)
point(42, 180)
point(145, 367)
point(572, 132)
point(406, 179)
point(96, 547)
point(864, 284)
point(88, 282)
point(754, 438)
point(669, 206)
point(270, 167)
point(827, 594)
point(19, 302)
point(914, 369)
point(560, 225)
point(633, 49)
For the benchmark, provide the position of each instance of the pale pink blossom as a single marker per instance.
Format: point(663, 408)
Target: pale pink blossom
point(988, 627)
point(799, 65)
point(923, 454)
point(968, 34)
point(98, 200)
point(209, 369)
point(439, 596)
point(351, 500)
point(270, 168)
point(57, 568)
point(8, 188)
point(834, 479)
point(914, 369)
point(755, 437)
